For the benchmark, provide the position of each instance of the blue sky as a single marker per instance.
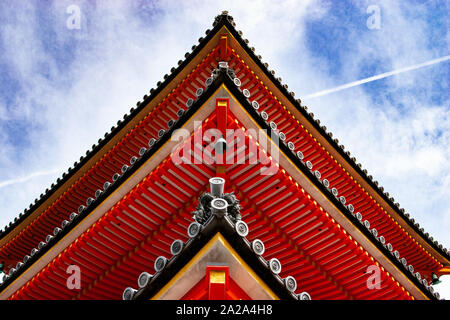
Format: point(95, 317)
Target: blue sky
point(61, 89)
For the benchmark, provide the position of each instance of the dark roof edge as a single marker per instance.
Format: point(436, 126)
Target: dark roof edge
point(115, 129)
point(335, 143)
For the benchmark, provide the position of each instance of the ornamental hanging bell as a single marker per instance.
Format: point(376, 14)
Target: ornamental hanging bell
point(435, 279)
point(220, 146)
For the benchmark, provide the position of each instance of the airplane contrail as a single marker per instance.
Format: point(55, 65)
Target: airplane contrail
point(26, 178)
point(377, 77)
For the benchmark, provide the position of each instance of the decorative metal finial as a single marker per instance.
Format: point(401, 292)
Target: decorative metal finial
point(205, 208)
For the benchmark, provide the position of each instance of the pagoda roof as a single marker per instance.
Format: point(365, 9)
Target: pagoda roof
point(222, 22)
point(130, 170)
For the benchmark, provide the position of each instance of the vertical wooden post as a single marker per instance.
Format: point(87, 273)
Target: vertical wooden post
point(217, 278)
